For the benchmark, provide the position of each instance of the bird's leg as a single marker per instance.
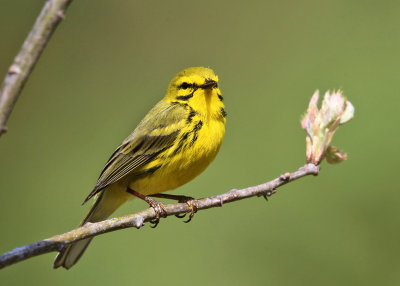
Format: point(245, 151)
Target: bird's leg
point(157, 206)
point(190, 201)
point(179, 198)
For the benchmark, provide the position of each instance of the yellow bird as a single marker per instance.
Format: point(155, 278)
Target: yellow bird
point(174, 142)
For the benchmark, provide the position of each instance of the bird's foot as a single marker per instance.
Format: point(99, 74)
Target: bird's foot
point(194, 207)
point(158, 207)
point(190, 201)
point(160, 211)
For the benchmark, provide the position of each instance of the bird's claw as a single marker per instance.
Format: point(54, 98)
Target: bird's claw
point(160, 211)
point(180, 215)
point(193, 205)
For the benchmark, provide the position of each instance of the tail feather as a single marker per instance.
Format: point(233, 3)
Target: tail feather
point(70, 255)
point(106, 203)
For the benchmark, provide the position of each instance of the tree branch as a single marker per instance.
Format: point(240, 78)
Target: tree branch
point(137, 220)
point(52, 13)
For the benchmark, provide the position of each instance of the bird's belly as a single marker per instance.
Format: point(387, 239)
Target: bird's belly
point(180, 168)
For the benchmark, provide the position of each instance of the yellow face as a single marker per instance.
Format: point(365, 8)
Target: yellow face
point(198, 87)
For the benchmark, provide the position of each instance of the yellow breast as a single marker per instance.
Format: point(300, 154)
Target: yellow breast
point(195, 148)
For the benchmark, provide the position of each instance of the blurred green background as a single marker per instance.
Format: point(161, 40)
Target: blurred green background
point(109, 62)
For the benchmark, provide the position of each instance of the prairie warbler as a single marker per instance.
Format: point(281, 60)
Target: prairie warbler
point(174, 142)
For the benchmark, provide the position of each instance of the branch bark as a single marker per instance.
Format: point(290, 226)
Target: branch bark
point(137, 220)
point(52, 13)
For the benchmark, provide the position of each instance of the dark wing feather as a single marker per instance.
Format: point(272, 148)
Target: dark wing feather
point(126, 161)
point(141, 147)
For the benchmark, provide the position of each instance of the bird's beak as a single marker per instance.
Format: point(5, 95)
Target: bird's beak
point(209, 83)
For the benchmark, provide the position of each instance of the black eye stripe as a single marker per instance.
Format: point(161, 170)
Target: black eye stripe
point(186, 85)
point(190, 95)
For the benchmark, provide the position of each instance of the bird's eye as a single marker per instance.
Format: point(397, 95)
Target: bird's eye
point(185, 85)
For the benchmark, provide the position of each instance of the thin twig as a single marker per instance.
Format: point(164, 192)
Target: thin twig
point(137, 220)
point(52, 13)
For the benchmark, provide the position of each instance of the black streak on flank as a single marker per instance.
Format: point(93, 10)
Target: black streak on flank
point(223, 112)
point(187, 97)
point(220, 97)
point(192, 113)
point(195, 131)
point(181, 143)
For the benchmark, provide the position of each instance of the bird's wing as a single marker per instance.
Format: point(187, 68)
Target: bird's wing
point(155, 133)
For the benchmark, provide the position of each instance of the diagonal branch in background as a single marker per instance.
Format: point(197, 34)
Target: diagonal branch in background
point(52, 13)
point(137, 220)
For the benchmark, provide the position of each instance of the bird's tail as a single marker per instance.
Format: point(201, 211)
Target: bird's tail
point(106, 203)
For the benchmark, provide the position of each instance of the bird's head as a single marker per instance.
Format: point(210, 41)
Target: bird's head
point(198, 87)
